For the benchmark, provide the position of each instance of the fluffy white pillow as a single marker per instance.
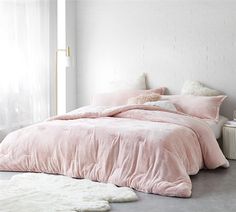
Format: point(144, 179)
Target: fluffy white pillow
point(198, 89)
point(167, 105)
point(138, 83)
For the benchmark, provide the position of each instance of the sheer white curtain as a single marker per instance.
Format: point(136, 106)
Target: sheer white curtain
point(24, 62)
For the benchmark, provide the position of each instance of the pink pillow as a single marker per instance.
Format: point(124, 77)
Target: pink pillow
point(141, 99)
point(121, 97)
point(205, 107)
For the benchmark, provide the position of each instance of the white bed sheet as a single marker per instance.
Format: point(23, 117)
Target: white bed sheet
point(217, 126)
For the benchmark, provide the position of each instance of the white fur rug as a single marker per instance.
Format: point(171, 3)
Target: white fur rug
point(34, 192)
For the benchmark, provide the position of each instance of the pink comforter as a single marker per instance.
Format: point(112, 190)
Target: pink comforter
point(137, 146)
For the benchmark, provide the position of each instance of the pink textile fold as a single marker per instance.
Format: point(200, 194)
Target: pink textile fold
point(139, 146)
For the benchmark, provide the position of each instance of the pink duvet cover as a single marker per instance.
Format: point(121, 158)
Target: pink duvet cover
point(137, 146)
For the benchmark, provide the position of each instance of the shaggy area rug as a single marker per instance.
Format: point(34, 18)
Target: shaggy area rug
point(35, 192)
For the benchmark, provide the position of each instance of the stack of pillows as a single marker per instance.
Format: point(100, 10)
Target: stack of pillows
point(196, 99)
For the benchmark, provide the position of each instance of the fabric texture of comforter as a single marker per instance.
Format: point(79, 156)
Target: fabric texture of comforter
point(139, 146)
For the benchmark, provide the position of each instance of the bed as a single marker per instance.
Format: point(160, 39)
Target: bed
point(216, 127)
point(144, 147)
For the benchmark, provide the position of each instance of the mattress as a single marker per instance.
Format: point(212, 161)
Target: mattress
point(217, 126)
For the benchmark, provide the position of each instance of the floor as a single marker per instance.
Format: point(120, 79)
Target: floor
point(213, 190)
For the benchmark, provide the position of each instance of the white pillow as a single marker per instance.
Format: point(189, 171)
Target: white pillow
point(138, 83)
point(167, 105)
point(198, 89)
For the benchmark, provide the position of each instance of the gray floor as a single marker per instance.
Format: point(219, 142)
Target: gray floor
point(213, 191)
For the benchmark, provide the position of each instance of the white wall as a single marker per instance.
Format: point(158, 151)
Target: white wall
point(170, 40)
point(53, 49)
point(71, 74)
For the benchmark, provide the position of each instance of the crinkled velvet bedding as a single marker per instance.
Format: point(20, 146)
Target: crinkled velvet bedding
point(138, 146)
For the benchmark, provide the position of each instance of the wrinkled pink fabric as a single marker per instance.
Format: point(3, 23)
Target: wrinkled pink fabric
point(138, 146)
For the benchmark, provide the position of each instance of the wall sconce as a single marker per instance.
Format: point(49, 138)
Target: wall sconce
point(66, 63)
point(67, 51)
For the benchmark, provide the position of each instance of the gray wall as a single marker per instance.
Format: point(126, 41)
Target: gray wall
point(170, 40)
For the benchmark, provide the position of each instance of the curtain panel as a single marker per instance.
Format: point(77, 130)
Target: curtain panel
point(24, 63)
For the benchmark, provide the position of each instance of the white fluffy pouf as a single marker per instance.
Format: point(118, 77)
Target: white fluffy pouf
point(35, 192)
